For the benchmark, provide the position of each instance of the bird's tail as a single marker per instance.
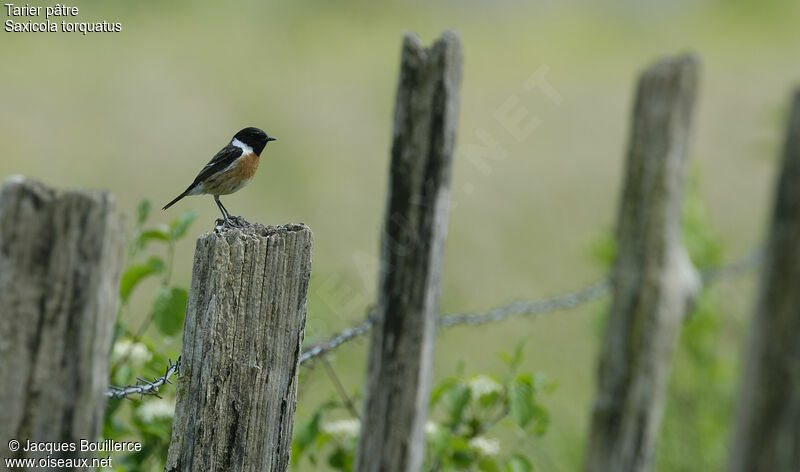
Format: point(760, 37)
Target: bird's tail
point(185, 192)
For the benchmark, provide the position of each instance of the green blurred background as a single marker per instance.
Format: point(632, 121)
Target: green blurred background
point(139, 112)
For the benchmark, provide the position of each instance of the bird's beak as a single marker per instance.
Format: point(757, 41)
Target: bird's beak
point(270, 138)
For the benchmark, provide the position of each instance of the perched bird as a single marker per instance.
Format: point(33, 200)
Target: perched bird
point(230, 169)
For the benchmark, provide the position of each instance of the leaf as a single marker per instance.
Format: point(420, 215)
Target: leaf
point(113, 426)
point(180, 225)
point(515, 359)
point(158, 427)
point(487, 400)
point(518, 463)
point(487, 390)
point(119, 330)
point(439, 442)
point(463, 456)
point(142, 211)
point(520, 399)
point(488, 464)
point(604, 249)
point(458, 398)
point(123, 375)
point(159, 233)
point(341, 459)
point(136, 273)
point(542, 419)
point(441, 389)
point(169, 309)
point(307, 432)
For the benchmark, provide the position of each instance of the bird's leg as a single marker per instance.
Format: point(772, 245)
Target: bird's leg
point(225, 214)
point(225, 210)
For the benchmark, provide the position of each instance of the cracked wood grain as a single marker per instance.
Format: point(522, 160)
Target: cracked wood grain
point(61, 255)
point(412, 251)
point(245, 320)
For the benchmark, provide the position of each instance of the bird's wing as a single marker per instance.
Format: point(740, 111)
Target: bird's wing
point(220, 161)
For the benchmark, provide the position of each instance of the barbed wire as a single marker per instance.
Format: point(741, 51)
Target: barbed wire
point(526, 308)
point(518, 308)
point(144, 387)
point(346, 335)
point(751, 260)
point(565, 301)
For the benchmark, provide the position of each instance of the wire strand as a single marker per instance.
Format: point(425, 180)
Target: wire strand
point(565, 301)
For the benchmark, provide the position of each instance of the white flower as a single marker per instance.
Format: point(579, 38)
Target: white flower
point(137, 353)
point(431, 428)
point(155, 409)
point(482, 385)
point(342, 428)
point(485, 446)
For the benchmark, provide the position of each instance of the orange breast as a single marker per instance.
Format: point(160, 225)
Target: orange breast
point(246, 167)
point(234, 178)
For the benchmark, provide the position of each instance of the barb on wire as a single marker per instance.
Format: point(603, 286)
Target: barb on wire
point(145, 387)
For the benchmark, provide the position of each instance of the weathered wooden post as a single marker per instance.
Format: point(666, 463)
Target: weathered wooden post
point(60, 263)
point(767, 431)
point(412, 249)
point(245, 320)
point(653, 280)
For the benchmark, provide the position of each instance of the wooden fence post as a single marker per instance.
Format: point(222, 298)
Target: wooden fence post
point(767, 431)
point(245, 320)
point(412, 249)
point(60, 263)
point(653, 280)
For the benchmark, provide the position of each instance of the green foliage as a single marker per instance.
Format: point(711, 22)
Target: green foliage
point(703, 245)
point(520, 400)
point(464, 411)
point(317, 434)
point(142, 212)
point(157, 233)
point(179, 226)
point(518, 463)
point(143, 346)
point(169, 308)
point(604, 249)
point(699, 403)
point(136, 273)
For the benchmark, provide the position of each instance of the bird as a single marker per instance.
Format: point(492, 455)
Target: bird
point(230, 169)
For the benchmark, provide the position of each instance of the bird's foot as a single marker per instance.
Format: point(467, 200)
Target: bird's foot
point(237, 222)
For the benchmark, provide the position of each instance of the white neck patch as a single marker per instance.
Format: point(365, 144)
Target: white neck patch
point(244, 147)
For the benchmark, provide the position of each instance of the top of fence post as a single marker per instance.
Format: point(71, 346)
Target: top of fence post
point(412, 249)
